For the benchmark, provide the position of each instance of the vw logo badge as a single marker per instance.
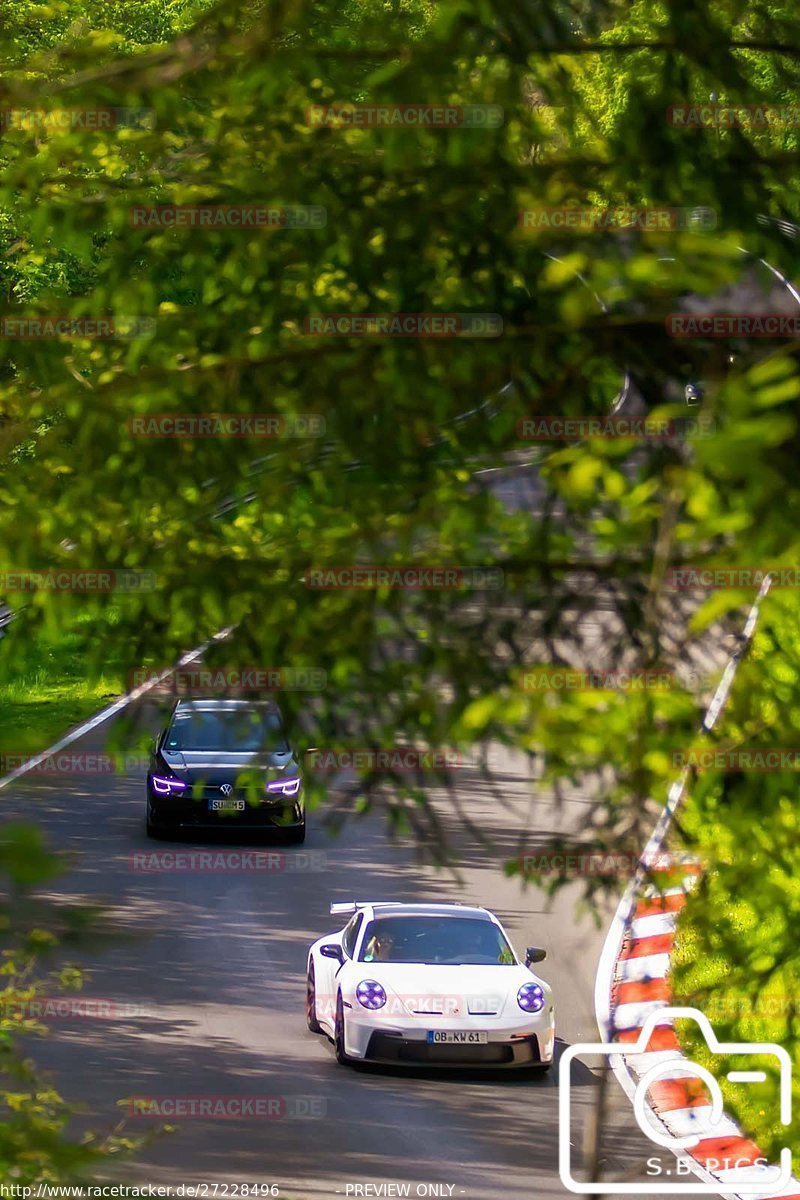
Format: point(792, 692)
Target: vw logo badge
point(226, 789)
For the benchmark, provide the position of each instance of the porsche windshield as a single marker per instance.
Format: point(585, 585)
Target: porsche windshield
point(226, 730)
point(451, 941)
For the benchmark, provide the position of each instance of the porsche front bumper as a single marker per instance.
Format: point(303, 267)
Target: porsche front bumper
point(512, 1043)
point(521, 1051)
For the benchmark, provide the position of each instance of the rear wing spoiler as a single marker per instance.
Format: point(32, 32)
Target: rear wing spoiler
point(344, 910)
point(348, 907)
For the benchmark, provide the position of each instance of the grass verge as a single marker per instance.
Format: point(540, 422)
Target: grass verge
point(735, 957)
point(47, 690)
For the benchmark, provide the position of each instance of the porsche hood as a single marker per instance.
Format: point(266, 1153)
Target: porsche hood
point(420, 989)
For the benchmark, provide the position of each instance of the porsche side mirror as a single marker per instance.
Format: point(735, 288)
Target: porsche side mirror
point(534, 954)
point(332, 950)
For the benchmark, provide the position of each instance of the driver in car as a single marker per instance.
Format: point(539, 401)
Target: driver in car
point(379, 947)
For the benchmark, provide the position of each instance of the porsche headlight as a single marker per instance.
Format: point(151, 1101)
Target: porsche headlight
point(370, 994)
point(530, 998)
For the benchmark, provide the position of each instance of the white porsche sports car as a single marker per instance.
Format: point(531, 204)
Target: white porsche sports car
point(428, 983)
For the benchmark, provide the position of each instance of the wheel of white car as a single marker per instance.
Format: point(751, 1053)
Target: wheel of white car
point(311, 1001)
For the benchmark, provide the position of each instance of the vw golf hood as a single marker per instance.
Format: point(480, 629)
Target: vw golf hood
point(218, 766)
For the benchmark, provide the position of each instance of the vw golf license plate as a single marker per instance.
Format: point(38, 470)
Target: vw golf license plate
point(458, 1037)
point(226, 805)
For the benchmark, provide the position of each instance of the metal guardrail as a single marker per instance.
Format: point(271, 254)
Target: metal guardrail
point(626, 1072)
point(787, 228)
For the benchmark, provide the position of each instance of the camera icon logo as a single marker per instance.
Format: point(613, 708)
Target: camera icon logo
point(679, 1131)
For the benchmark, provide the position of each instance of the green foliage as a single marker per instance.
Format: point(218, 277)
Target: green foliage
point(417, 220)
point(738, 954)
point(34, 1145)
point(55, 683)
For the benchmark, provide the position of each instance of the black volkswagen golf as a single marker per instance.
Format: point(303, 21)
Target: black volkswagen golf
point(225, 764)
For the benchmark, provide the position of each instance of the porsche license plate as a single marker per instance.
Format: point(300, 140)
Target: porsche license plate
point(458, 1037)
point(226, 805)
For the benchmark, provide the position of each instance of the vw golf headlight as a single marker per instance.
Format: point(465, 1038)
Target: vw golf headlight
point(165, 785)
point(286, 787)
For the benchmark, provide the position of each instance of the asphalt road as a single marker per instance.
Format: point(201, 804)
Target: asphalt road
point(203, 984)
